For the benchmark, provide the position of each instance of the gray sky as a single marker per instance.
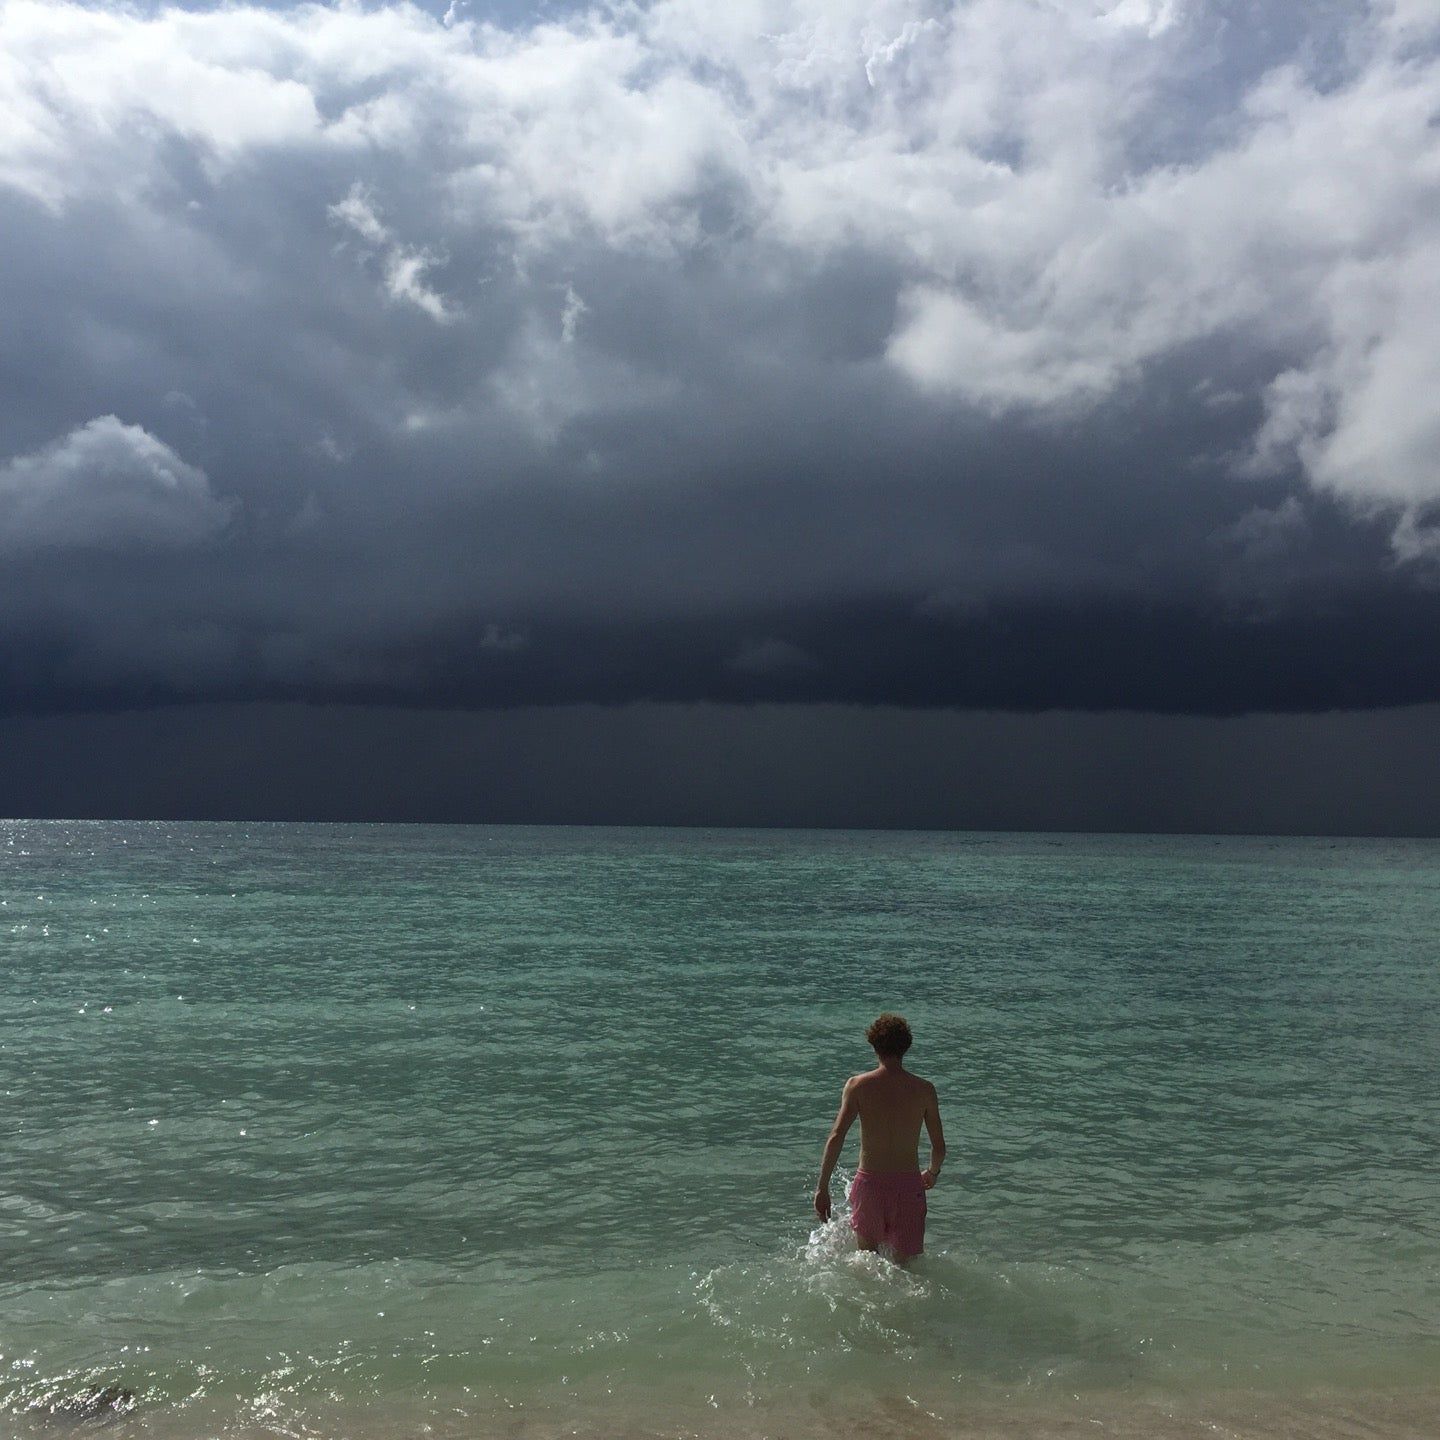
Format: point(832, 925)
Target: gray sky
point(980, 357)
point(1341, 773)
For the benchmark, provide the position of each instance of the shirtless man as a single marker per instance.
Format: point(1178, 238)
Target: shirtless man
point(887, 1196)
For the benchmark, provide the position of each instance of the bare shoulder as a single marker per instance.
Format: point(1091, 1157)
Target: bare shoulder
point(924, 1086)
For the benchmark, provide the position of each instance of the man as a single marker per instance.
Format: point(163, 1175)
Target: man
point(887, 1196)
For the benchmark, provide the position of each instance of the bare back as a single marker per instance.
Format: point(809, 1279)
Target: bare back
point(892, 1105)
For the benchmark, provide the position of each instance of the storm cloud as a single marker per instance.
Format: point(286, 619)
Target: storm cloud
point(999, 354)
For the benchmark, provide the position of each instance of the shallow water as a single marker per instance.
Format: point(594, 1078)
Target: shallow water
point(321, 1130)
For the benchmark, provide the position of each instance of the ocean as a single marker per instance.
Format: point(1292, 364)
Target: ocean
point(401, 1131)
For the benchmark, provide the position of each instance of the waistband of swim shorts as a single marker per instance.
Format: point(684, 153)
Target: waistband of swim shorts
point(888, 1177)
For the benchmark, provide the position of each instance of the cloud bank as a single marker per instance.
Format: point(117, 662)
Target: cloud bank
point(1007, 352)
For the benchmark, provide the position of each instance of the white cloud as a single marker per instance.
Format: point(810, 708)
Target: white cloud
point(1377, 433)
point(403, 266)
point(106, 486)
point(1064, 194)
point(570, 315)
point(79, 82)
point(405, 280)
point(357, 210)
point(946, 342)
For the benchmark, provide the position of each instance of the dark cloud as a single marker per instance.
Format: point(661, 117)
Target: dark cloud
point(901, 354)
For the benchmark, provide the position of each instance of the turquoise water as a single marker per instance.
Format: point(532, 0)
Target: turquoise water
point(331, 1130)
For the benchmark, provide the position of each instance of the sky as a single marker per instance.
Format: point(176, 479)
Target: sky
point(812, 411)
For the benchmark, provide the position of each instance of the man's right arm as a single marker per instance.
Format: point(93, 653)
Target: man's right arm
point(937, 1138)
point(834, 1143)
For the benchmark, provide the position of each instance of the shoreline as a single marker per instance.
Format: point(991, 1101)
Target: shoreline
point(1328, 1414)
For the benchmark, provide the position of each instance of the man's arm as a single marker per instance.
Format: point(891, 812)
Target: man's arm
point(833, 1145)
point(937, 1138)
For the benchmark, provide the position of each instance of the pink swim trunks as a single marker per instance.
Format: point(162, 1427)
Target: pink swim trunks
point(889, 1210)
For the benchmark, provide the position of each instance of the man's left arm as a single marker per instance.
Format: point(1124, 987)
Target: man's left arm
point(833, 1145)
point(936, 1132)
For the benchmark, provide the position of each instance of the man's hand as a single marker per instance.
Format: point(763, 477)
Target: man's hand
point(930, 1176)
point(822, 1203)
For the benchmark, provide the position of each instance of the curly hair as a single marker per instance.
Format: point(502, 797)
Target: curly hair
point(890, 1035)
